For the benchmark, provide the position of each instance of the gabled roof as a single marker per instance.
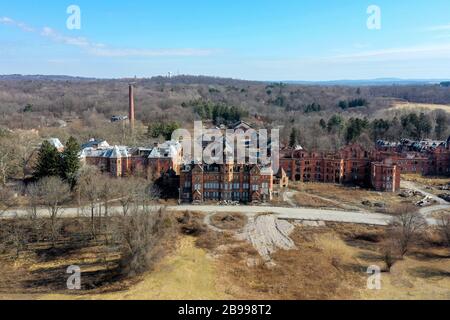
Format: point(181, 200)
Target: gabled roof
point(95, 143)
point(241, 125)
point(111, 152)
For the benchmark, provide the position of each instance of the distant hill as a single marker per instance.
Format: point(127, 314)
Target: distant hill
point(39, 77)
point(181, 79)
point(371, 82)
point(208, 80)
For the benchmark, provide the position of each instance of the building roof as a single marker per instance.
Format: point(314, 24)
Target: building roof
point(169, 149)
point(114, 152)
point(56, 143)
point(95, 143)
point(241, 125)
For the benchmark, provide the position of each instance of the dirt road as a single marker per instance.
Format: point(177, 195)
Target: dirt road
point(281, 213)
point(427, 211)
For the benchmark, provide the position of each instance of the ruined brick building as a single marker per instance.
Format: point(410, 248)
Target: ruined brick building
point(379, 168)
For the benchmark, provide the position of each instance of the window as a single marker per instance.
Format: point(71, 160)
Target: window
point(255, 187)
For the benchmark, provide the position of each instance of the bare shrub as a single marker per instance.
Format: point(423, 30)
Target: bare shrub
point(19, 234)
point(138, 235)
point(444, 227)
point(229, 221)
point(7, 199)
point(191, 224)
point(388, 254)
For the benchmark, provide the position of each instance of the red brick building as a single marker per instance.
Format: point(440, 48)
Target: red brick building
point(243, 183)
point(121, 161)
point(350, 165)
point(380, 168)
point(385, 176)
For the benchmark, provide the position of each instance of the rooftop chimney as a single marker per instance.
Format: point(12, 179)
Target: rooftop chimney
point(131, 105)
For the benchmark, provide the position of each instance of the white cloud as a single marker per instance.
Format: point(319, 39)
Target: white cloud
point(101, 50)
point(109, 52)
point(414, 52)
point(12, 22)
point(439, 28)
point(73, 41)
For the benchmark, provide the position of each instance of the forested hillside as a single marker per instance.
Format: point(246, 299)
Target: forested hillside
point(324, 117)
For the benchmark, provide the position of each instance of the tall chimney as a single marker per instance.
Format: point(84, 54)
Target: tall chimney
point(131, 105)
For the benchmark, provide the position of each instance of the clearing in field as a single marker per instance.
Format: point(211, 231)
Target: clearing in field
point(419, 106)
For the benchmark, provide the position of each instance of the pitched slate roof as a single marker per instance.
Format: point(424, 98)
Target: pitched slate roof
point(111, 152)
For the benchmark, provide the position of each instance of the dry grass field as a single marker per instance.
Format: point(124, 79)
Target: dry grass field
point(329, 262)
point(344, 197)
point(419, 106)
point(427, 181)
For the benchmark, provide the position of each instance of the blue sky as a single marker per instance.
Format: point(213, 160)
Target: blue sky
point(251, 39)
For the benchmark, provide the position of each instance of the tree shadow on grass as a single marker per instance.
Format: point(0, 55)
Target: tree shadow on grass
point(370, 256)
point(427, 272)
point(426, 255)
point(51, 253)
point(55, 279)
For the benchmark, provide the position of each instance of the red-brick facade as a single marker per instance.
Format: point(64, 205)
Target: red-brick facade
point(243, 183)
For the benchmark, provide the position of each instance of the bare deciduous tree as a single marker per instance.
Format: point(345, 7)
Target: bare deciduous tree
point(25, 148)
point(6, 159)
point(34, 199)
point(129, 192)
point(108, 190)
point(89, 188)
point(406, 226)
point(53, 192)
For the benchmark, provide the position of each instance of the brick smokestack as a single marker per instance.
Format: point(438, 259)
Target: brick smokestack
point(131, 116)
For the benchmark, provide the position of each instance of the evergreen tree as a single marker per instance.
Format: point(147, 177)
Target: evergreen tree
point(48, 163)
point(323, 124)
point(380, 127)
point(335, 124)
point(441, 125)
point(70, 162)
point(355, 128)
point(293, 138)
point(424, 126)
